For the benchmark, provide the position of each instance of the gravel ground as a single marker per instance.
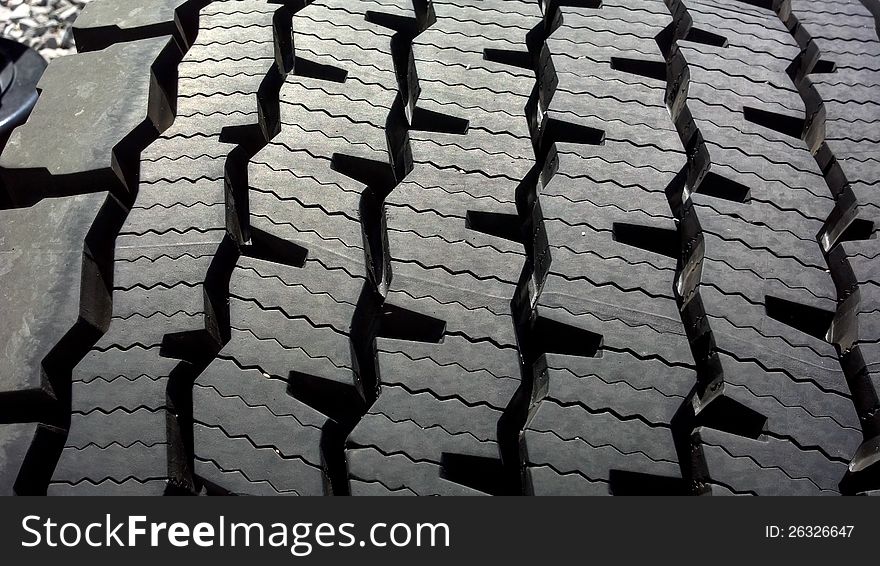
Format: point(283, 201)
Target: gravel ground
point(41, 24)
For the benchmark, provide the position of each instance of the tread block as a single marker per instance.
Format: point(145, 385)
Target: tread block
point(114, 99)
point(767, 466)
point(42, 262)
point(15, 441)
point(105, 22)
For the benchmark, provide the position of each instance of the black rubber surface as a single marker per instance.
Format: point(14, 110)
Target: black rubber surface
point(455, 247)
point(20, 70)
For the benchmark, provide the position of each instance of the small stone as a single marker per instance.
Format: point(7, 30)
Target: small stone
point(69, 14)
point(20, 12)
point(67, 39)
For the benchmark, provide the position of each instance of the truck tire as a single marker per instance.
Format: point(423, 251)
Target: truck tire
point(448, 247)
